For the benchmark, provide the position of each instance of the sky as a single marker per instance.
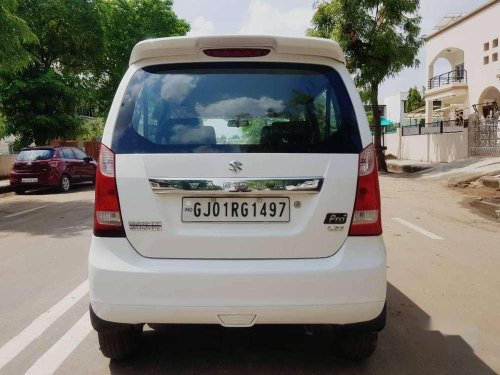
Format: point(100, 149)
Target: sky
point(292, 18)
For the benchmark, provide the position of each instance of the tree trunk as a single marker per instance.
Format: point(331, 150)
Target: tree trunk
point(382, 166)
point(41, 139)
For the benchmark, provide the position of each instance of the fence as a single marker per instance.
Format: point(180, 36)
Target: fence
point(92, 148)
point(448, 126)
point(61, 142)
point(444, 147)
point(6, 164)
point(86, 113)
point(484, 137)
point(389, 129)
point(454, 76)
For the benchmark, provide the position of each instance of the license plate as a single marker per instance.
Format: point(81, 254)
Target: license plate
point(256, 210)
point(29, 180)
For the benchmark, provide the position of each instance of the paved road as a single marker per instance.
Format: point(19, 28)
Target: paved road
point(443, 295)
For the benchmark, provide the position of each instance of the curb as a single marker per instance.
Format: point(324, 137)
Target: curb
point(408, 168)
point(5, 189)
point(491, 209)
point(492, 182)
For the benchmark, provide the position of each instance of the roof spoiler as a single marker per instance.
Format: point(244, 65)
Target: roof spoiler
point(185, 46)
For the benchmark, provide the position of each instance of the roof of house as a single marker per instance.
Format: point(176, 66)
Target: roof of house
point(452, 20)
point(182, 46)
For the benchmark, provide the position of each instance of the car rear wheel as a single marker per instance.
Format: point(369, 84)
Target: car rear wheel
point(358, 345)
point(121, 344)
point(65, 184)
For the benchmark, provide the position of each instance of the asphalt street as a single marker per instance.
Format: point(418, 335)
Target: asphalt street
point(443, 298)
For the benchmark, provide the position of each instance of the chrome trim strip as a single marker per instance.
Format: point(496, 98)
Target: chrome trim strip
point(308, 185)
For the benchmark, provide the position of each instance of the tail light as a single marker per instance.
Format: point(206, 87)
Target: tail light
point(236, 52)
point(107, 215)
point(366, 219)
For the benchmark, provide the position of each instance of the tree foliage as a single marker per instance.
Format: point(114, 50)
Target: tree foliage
point(125, 23)
point(41, 107)
point(69, 32)
point(41, 101)
point(252, 133)
point(81, 54)
point(379, 39)
point(15, 35)
point(3, 128)
point(414, 100)
point(91, 130)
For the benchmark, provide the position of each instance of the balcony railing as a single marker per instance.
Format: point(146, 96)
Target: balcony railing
point(439, 127)
point(455, 76)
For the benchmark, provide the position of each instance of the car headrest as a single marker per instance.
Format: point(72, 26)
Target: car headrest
point(189, 135)
point(292, 132)
point(265, 135)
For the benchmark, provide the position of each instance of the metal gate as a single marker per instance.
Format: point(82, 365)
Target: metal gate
point(484, 136)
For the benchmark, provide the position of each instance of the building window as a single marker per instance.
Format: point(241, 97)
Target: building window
point(494, 57)
point(495, 43)
point(486, 46)
point(486, 60)
point(405, 106)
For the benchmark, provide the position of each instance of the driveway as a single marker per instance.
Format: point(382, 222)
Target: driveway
point(443, 298)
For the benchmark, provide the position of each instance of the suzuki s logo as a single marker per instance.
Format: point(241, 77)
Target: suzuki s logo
point(235, 166)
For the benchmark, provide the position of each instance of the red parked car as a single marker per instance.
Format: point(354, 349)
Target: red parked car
point(60, 167)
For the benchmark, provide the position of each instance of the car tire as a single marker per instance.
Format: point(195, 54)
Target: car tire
point(121, 344)
point(358, 345)
point(19, 191)
point(65, 183)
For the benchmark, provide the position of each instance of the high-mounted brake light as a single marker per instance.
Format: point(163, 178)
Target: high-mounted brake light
point(366, 219)
point(107, 214)
point(236, 52)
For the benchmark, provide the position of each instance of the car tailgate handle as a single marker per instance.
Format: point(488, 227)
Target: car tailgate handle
point(308, 185)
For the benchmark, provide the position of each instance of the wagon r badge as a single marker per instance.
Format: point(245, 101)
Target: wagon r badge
point(146, 226)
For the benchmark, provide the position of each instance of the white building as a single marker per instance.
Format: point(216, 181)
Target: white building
point(395, 108)
point(470, 44)
point(6, 144)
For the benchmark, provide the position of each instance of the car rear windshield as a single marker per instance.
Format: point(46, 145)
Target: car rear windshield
point(236, 107)
point(31, 155)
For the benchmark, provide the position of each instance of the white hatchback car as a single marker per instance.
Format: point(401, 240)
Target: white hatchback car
point(237, 185)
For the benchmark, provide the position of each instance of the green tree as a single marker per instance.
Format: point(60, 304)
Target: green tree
point(379, 38)
point(41, 107)
point(92, 130)
point(414, 100)
point(251, 133)
point(15, 35)
point(41, 101)
point(125, 23)
point(69, 31)
point(3, 128)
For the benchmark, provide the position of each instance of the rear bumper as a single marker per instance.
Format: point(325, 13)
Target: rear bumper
point(44, 180)
point(349, 287)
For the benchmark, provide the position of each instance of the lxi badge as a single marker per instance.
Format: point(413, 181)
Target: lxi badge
point(336, 219)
